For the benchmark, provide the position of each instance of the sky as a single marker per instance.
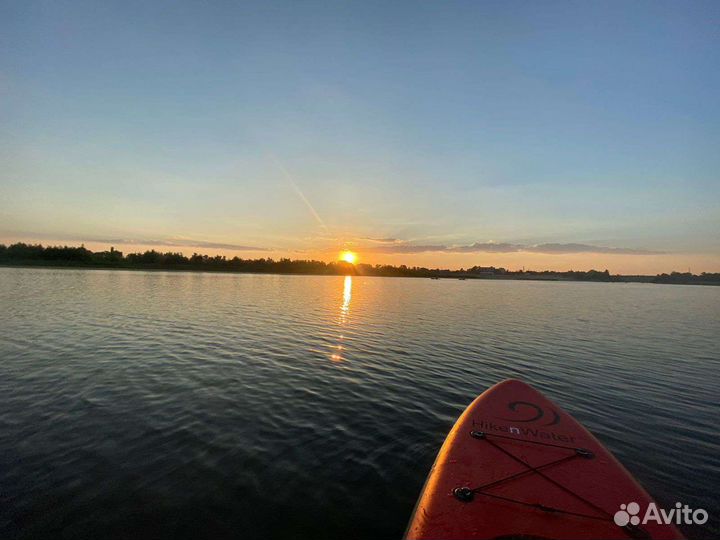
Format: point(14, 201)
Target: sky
point(545, 135)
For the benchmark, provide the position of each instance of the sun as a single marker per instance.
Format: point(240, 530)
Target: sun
point(348, 257)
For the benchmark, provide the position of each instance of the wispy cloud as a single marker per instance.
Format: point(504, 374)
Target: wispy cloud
point(585, 248)
point(171, 242)
point(505, 247)
point(180, 242)
point(381, 240)
point(363, 244)
point(213, 245)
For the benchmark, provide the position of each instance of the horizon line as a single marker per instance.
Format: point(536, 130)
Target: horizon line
point(317, 261)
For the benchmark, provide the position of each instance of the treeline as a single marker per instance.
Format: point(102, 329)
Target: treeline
point(27, 254)
point(36, 254)
point(705, 278)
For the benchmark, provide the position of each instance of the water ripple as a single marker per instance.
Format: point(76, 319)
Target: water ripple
point(171, 405)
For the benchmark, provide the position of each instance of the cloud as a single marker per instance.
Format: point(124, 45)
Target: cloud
point(382, 240)
point(168, 242)
point(504, 247)
point(180, 242)
point(374, 245)
point(585, 248)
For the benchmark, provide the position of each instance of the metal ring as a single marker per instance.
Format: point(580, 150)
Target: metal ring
point(464, 494)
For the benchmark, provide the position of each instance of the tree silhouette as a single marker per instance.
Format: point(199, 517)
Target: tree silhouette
point(35, 254)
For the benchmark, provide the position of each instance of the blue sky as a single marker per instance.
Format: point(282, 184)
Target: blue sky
point(388, 127)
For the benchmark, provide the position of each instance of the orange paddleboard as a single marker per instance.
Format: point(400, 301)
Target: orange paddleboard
point(515, 465)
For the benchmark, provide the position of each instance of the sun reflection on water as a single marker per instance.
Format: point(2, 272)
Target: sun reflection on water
point(347, 296)
point(336, 356)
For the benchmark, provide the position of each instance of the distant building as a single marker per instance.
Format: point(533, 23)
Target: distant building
point(112, 255)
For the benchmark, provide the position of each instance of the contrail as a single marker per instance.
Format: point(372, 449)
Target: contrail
point(300, 194)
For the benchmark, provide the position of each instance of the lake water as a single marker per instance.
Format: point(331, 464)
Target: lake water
point(191, 405)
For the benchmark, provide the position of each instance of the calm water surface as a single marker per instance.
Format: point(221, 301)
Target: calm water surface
point(189, 405)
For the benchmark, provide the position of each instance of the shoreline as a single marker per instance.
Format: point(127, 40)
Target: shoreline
point(652, 280)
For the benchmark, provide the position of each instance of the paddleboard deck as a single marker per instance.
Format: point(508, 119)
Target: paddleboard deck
point(515, 465)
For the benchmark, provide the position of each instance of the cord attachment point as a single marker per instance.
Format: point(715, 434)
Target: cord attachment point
point(464, 494)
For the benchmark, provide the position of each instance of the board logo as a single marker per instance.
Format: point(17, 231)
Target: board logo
point(531, 412)
point(527, 431)
point(629, 515)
